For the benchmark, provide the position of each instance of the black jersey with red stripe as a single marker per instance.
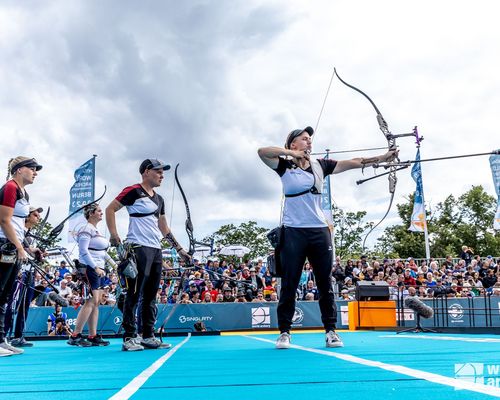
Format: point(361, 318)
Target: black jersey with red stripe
point(144, 211)
point(12, 196)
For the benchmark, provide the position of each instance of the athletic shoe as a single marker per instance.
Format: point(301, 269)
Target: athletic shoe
point(132, 344)
point(20, 342)
point(333, 339)
point(79, 341)
point(98, 341)
point(14, 350)
point(5, 352)
point(153, 343)
point(283, 341)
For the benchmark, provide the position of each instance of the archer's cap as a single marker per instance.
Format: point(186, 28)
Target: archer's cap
point(33, 209)
point(296, 133)
point(153, 163)
point(30, 163)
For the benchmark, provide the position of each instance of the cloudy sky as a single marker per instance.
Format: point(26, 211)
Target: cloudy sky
point(205, 83)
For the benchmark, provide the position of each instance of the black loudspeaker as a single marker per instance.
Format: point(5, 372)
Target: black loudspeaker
point(367, 290)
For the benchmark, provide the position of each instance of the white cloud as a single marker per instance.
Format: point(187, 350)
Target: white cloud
point(206, 83)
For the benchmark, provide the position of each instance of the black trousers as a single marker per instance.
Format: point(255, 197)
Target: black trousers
point(145, 285)
point(8, 275)
point(20, 298)
point(315, 244)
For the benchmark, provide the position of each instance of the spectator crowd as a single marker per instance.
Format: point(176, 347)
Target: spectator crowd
point(215, 281)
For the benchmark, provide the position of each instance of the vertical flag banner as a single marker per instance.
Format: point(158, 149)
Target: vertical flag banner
point(495, 170)
point(418, 215)
point(81, 193)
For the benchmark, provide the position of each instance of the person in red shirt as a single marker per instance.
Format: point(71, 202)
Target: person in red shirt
point(210, 289)
point(14, 209)
point(409, 280)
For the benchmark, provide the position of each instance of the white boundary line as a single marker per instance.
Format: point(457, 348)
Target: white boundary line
point(428, 376)
point(135, 384)
point(450, 338)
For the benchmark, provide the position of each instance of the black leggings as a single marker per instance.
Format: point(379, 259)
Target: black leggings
point(315, 244)
point(149, 264)
point(8, 274)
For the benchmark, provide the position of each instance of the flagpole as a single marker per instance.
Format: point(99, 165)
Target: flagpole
point(93, 180)
point(426, 232)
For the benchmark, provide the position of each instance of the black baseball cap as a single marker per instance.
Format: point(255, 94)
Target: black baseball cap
point(153, 163)
point(30, 163)
point(296, 133)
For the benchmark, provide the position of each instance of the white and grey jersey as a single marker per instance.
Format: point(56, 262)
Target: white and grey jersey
point(303, 211)
point(92, 247)
point(144, 212)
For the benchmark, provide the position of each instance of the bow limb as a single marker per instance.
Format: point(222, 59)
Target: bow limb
point(189, 223)
point(391, 144)
point(58, 229)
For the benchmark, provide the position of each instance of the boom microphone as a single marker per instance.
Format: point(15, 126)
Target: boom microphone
point(58, 299)
point(422, 309)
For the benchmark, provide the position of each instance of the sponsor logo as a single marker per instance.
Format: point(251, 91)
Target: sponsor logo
point(261, 317)
point(484, 374)
point(117, 320)
point(183, 319)
point(456, 312)
point(298, 317)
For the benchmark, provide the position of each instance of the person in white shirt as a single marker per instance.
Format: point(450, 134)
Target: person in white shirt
point(92, 248)
point(306, 233)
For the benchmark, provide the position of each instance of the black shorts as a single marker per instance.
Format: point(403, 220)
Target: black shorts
point(95, 281)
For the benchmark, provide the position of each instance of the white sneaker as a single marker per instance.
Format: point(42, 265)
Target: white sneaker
point(5, 352)
point(14, 350)
point(333, 339)
point(132, 344)
point(153, 343)
point(283, 341)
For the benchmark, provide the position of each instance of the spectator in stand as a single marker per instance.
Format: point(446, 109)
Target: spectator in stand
point(466, 255)
point(408, 279)
point(259, 298)
point(255, 283)
point(240, 298)
point(489, 280)
point(64, 289)
point(228, 296)
point(211, 291)
point(220, 298)
point(345, 295)
point(195, 298)
point(63, 268)
point(273, 296)
point(185, 299)
point(310, 288)
point(309, 297)
point(348, 269)
point(429, 281)
point(207, 298)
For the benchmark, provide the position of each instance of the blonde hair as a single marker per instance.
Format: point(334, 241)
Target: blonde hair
point(13, 162)
point(89, 209)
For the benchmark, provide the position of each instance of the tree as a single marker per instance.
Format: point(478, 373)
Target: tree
point(247, 234)
point(44, 234)
point(348, 232)
point(466, 220)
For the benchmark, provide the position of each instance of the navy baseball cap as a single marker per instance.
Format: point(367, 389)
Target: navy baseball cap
point(296, 133)
point(153, 163)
